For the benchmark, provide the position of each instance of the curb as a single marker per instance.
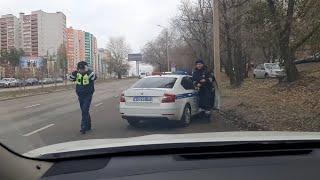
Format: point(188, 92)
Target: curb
point(59, 90)
point(30, 95)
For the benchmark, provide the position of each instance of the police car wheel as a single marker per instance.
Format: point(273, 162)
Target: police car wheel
point(186, 116)
point(133, 122)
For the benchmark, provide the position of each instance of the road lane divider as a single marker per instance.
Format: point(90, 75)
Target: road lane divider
point(38, 130)
point(97, 105)
point(34, 105)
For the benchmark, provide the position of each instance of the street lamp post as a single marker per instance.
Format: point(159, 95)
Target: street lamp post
point(167, 46)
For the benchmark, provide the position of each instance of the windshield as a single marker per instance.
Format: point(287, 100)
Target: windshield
point(156, 82)
point(109, 69)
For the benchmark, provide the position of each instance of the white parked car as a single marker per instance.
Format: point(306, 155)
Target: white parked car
point(268, 70)
point(142, 75)
point(170, 97)
point(8, 82)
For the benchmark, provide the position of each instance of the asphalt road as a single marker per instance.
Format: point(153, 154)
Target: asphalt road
point(32, 122)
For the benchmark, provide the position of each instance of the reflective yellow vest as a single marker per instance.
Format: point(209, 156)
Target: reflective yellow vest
point(82, 79)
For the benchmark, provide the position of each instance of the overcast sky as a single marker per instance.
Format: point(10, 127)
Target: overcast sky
point(136, 20)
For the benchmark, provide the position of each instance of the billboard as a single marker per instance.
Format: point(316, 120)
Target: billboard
point(134, 57)
point(31, 62)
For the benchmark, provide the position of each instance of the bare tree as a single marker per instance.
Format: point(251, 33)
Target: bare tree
point(235, 40)
point(194, 24)
point(154, 52)
point(119, 50)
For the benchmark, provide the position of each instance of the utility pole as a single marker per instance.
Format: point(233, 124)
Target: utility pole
point(167, 50)
point(216, 41)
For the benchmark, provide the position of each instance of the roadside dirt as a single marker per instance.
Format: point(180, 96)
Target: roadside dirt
point(263, 104)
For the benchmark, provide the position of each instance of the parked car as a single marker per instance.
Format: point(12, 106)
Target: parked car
point(32, 81)
point(167, 97)
point(268, 70)
point(59, 80)
point(8, 82)
point(142, 75)
point(20, 82)
point(46, 81)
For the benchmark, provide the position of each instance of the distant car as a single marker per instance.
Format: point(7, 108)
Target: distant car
point(32, 81)
point(59, 80)
point(8, 82)
point(20, 82)
point(155, 73)
point(268, 70)
point(46, 81)
point(171, 97)
point(142, 75)
point(166, 73)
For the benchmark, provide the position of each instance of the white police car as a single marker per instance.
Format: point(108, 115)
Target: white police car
point(171, 97)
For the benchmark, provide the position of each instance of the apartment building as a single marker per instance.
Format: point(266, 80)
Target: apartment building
point(81, 46)
point(42, 33)
point(9, 32)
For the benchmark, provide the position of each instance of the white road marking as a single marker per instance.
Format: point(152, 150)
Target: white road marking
point(99, 104)
point(38, 130)
point(34, 105)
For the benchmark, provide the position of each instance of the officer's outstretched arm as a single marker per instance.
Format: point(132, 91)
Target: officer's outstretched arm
point(92, 76)
point(73, 76)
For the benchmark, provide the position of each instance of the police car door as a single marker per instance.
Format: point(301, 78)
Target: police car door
point(191, 93)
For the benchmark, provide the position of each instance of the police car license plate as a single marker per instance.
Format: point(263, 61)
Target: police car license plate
point(142, 99)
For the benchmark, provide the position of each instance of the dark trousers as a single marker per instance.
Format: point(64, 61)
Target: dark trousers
point(206, 98)
point(85, 102)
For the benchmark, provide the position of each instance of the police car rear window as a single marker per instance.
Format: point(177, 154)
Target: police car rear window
point(156, 82)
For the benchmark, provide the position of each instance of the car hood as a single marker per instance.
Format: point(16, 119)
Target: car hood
point(172, 139)
point(2, 81)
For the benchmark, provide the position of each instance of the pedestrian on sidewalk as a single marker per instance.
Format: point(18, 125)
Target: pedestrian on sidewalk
point(202, 80)
point(84, 78)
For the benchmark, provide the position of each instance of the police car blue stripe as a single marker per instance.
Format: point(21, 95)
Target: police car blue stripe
point(186, 95)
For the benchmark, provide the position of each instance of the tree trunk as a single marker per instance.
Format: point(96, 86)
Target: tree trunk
point(288, 56)
point(229, 64)
point(291, 69)
point(237, 64)
point(284, 39)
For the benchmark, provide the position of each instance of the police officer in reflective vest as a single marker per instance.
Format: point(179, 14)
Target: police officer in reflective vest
point(203, 80)
point(84, 79)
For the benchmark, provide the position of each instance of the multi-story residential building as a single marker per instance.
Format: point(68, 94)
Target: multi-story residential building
point(81, 46)
point(9, 32)
point(42, 33)
point(88, 48)
point(71, 48)
point(95, 54)
point(81, 38)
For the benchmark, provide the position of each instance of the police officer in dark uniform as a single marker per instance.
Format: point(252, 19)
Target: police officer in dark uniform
point(202, 80)
point(84, 78)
